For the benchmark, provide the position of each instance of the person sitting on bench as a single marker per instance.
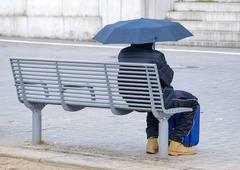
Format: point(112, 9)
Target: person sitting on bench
point(144, 53)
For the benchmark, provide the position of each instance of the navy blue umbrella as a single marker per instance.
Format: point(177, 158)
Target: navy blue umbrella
point(140, 31)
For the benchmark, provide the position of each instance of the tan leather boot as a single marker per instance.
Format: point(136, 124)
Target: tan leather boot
point(176, 148)
point(152, 146)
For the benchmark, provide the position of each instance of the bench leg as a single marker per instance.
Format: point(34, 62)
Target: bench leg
point(36, 123)
point(163, 138)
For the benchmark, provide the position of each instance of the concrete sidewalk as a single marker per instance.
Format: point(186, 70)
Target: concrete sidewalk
point(97, 138)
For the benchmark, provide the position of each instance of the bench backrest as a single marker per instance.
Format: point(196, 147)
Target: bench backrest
point(130, 86)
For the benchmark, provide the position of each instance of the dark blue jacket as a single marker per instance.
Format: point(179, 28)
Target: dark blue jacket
point(145, 54)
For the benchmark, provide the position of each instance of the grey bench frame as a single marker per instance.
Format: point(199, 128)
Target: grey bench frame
point(76, 84)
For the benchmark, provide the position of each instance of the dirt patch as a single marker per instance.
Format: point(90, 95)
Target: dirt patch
point(7, 163)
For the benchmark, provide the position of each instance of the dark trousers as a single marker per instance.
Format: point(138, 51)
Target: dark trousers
point(186, 119)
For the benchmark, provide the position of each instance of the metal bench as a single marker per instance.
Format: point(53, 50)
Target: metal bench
point(74, 84)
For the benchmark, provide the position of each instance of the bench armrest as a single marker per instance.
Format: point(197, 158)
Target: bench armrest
point(178, 110)
point(44, 86)
point(92, 93)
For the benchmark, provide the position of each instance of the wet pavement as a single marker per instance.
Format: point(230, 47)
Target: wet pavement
point(97, 138)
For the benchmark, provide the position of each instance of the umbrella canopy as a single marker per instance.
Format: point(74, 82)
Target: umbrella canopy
point(141, 31)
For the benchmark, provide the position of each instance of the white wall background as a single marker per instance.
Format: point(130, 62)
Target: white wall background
point(70, 19)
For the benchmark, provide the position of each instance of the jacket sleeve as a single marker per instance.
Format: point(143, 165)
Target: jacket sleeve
point(164, 70)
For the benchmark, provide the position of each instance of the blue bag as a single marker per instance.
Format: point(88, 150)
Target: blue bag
point(193, 138)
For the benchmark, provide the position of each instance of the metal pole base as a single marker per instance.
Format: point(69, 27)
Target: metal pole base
point(163, 138)
point(36, 123)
